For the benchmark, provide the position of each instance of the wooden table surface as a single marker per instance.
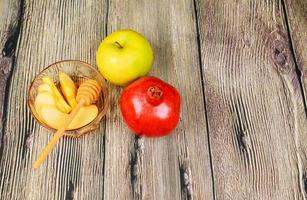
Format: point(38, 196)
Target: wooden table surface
point(241, 69)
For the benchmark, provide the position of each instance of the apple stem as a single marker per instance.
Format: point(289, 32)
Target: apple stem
point(119, 45)
point(154, 95)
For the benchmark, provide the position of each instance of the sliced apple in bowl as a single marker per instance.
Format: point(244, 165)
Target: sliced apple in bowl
point(59, 100)
point(53, 109)
point(55, 118)
point(44, 88)
point(43, 99)
point(68, 89)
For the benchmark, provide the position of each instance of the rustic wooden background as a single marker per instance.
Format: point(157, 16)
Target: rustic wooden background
point(240, 66)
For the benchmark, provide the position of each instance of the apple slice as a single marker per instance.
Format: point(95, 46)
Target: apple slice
point(59, 99)
point(68, 88)
point(55, 118)
point(44, 88)
point(43, 99)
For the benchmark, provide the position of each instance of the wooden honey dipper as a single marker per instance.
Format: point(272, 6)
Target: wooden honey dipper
point(87, 93)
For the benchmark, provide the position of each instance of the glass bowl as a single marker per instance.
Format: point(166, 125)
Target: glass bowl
point(78, 71)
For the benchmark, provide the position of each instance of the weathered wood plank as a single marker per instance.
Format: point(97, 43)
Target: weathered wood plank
point(51, 31)
point(10, 18)
point(254, 101)
point(174, 167)
point(296, 19)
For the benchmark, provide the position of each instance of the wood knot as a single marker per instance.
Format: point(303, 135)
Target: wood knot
point(247, 43)
point(134, 163)
point(280, 51)
point(304, 180)
point(280, 58)
point(185, 180)
point(70, 192)
point(280, 55)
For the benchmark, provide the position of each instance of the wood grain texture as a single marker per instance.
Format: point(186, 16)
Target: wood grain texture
point(51, 31)
point(297, 22)
point(254, 104)
point(136, 168)
point(232, 62)
point(173, 167)
point(10, 18)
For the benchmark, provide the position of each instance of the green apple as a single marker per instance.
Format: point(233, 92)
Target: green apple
point(124, 56)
